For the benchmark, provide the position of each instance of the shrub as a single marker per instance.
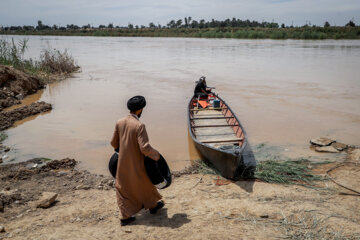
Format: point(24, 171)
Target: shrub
point(228, 35)
point(51, 60)
point(54, 61)
point(11, 53)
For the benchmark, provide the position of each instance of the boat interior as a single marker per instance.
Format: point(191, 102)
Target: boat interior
point(213, 123)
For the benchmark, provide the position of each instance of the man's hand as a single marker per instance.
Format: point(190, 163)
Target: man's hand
point(157, 156)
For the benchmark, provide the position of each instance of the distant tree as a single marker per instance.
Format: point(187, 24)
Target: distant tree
point(27, 28)
point(102, 26)
point(72, 26)
point(178, 23)
point(142, 26)
point(233, 22)
point(136, 26)
point(227, 23)
point(194, 24)
point(326, 24)
point(186, 22)
point(171, 24)
point(86, 26)
point(282, 25)
point(152, 25)
point(212, 23)
point(130, 26)
point(202, 23)
point(39, 25)
point(111, 25)
point(15, 28)
point(274, 25)
point(55, 27)
point(350, 24)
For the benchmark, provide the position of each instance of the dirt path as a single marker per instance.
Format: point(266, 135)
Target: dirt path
point(197, 207)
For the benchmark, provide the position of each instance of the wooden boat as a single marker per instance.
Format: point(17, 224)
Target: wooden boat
point(219, 136)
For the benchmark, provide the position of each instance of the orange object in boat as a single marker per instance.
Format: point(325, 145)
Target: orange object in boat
point(204, 104)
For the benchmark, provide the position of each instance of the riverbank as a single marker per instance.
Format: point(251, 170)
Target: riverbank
point(20, 77)
point(307, 32)
point(14, 86)
point(85, 207)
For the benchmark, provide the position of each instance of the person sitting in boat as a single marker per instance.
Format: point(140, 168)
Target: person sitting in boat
point(201, 89)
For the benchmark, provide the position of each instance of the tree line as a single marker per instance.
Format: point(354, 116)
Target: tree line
point(187, 22)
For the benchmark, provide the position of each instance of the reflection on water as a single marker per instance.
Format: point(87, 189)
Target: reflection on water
point(283, 92)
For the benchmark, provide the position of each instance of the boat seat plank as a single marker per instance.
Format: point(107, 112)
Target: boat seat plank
point(215, 117)
point(208, 109)
point(223, 140)
point(224, 125)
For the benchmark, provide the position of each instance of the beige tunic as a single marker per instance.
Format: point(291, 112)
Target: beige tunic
point(134, 189)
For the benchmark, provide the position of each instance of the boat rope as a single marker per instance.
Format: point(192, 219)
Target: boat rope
point(355, 193)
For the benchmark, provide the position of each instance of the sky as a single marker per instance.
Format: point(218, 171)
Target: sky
point(142, 12)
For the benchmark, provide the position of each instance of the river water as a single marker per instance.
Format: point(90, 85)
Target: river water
point(284, 92)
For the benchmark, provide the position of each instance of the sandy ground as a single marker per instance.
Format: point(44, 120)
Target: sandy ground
point(197, 206)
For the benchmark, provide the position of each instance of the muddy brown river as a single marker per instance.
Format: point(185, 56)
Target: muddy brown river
point(284, 92)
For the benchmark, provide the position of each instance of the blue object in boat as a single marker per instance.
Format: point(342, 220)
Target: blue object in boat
point(216, 103)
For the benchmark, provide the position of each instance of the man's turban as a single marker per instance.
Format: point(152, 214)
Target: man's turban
point(136, 103)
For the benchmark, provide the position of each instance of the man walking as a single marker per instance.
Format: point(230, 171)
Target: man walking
point(134, 189)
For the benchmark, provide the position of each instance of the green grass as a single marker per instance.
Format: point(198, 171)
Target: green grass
point(287, 172)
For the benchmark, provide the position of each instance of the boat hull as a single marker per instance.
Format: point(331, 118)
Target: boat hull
point(227, 164)
point(236, 164)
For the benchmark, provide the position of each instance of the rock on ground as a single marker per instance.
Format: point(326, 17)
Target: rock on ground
point(2, 229)
point(339, 146)
point(321, 141)
point(329, 149)
point(7, 119)
point(46, 200)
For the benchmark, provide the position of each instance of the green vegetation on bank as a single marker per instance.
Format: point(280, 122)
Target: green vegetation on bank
point(51, 61)
point(234, 28)
point(291, 171)
point(239, 33)
point(287, 172)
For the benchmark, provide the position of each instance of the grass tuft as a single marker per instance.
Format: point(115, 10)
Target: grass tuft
point(54, 61)
point(287, 172)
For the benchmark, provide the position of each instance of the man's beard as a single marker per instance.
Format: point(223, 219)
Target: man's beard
point(139, 115)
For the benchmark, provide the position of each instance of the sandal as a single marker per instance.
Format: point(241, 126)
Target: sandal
point(160, 204)
point(126, 221)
